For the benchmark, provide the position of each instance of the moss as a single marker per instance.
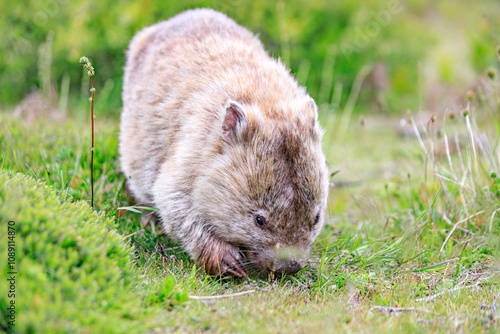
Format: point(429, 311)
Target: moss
point(75, 273)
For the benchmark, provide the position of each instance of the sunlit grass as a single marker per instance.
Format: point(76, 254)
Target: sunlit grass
point(411, 243)
point(389, 258)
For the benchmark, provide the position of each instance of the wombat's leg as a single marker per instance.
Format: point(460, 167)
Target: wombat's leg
point(219, 257)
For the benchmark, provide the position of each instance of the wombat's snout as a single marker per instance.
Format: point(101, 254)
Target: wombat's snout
point(289, 267)
point(289, 260)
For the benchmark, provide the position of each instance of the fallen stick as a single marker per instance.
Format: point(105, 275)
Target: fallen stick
point(222, 296)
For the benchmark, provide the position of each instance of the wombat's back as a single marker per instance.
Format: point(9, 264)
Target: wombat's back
point(190, 59)
point(178, 76)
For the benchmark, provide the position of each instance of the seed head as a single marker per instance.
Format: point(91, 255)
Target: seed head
point(493, 175)
point(88, 66)
point(491, 73)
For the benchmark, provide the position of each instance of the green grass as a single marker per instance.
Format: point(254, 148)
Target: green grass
point(389, 258)
point(74, 272)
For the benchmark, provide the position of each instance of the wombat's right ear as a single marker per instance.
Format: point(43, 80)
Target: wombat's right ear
point(312, 106)
point(234, 120)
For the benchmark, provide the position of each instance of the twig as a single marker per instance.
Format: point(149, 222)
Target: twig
point(222, 296)
point(162, 250)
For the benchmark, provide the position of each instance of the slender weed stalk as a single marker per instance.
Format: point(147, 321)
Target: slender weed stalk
point(90, 71)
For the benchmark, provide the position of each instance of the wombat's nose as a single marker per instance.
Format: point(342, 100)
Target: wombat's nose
point(287, 268)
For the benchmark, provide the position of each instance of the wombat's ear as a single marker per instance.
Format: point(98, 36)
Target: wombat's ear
point(234, 120)
point(313, 108)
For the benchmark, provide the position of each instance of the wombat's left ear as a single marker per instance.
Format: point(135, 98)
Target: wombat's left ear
point(234, 120)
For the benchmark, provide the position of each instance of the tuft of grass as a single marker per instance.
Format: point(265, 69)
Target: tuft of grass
point(381, 246)
point(412, 241)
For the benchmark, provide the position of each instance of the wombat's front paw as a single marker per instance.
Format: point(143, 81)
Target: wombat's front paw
point(220, 258)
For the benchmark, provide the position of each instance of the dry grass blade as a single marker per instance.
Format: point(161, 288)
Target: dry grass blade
point(396, 310)
point(461, 184)
point(492, 217)
point(449, 222)
point(455, 227)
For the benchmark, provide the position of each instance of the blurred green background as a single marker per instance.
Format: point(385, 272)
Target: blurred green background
point(406, 54)
point(412, 221)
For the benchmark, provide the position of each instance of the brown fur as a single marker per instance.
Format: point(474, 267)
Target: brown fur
point(216, 132)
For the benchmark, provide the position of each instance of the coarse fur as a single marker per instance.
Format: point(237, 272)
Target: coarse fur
point(220, 137)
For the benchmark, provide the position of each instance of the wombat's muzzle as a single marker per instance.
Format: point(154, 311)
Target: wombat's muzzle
point(287, 268)
point(288, 259)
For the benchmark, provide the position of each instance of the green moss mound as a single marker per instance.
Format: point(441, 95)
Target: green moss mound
point(74, 273)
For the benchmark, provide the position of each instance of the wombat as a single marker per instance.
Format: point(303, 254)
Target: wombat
point(225, 143)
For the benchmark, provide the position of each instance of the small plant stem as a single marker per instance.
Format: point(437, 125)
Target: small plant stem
point(90, 72)
point(92, 151)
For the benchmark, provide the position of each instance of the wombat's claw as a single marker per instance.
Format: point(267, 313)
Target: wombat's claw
point(238, 273)
point(223, 259)
point(235, 270)
point(230, 263)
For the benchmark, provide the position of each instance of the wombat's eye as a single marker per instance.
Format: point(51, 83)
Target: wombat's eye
point(316, 219)
point(260, 221)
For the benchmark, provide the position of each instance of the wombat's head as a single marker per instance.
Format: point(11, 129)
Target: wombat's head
point(266, 190)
